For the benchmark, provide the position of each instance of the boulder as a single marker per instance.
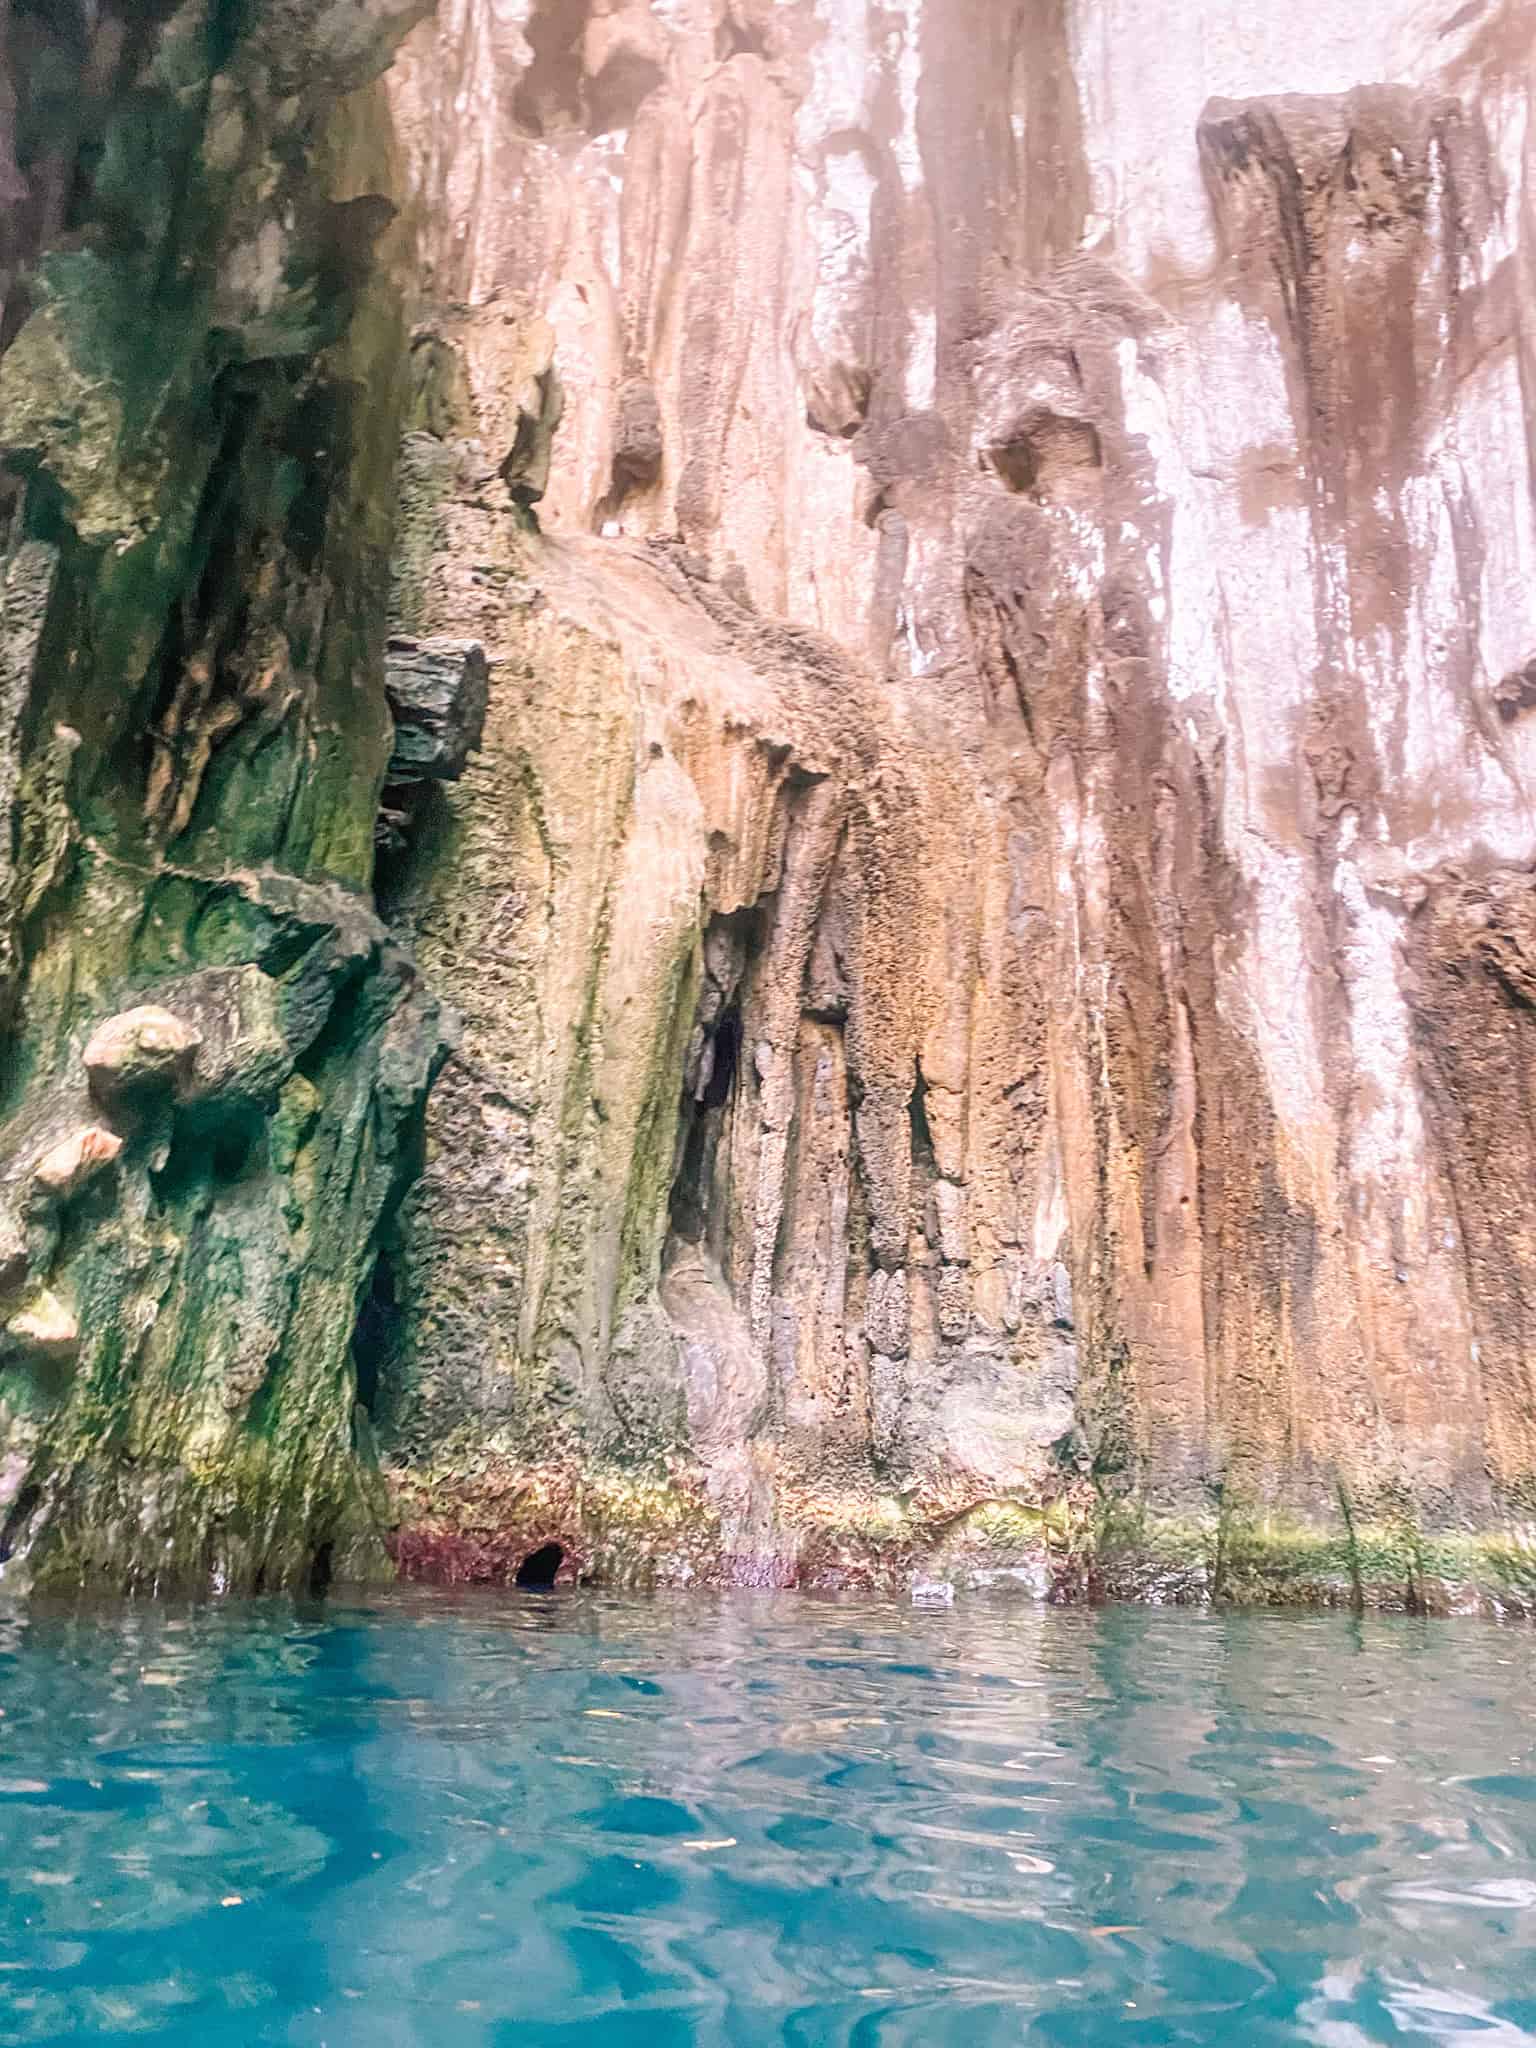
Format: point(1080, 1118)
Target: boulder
point(71, 1163)
point(140, 1052)
point(437, 691)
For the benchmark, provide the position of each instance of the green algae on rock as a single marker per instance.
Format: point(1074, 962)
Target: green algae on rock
point(217, 1053)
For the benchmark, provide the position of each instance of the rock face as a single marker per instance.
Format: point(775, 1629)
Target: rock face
point(992, 922)
point(993, 919)
point(215, 1052)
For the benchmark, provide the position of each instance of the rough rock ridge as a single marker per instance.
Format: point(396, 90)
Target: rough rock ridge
point(215, 1052)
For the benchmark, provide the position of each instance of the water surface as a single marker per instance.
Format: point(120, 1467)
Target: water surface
point(436, 1823)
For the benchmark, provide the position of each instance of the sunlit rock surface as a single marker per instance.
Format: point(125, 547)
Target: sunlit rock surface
point(994, 922)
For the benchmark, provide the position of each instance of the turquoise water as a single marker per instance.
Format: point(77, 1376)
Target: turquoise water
point(541, 1819)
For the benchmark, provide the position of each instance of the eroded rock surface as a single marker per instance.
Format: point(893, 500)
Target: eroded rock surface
point(215, 1054)
point(923, 615)
point(990, 920)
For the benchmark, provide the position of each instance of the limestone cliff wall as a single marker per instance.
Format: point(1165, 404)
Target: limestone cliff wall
point(992, 919)
point(995, 920)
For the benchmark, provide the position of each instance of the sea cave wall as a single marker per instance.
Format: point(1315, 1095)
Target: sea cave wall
point(214, 1052)
point(782, 753)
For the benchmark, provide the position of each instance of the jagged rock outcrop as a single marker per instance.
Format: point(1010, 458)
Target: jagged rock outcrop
point(995, 549)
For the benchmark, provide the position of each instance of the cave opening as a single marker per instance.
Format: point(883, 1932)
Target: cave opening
point(555, 92)
point(548, 95)
point(376, 1332)
point(713, 1076)
point(736, 37)
point(1049, 457)
point(703, 1111)
point(214, 1146)
point(615, 95)
point(924, 1154)
point(322, 1567)
point(537, 1572)
point(725, 1050)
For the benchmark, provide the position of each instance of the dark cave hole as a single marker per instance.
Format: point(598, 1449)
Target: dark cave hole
point(536, 1573)
point(548, 94)
point(1017, 465)
point(702, 1119)
point(21, 1511)
point(213, 1146)
point(726, 1049)
point(616, 94)
point(414, 819)
point(376, 1332)
point(555, 92)
point(321, 1570)
point(923, 1153)
point(1049, 458)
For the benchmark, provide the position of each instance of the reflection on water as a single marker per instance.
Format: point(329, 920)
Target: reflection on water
point(433, 1823)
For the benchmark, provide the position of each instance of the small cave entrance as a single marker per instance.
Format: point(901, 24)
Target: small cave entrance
point(924, 1154)
point(322, 1569)
point(712, 1079)
point(212, 1146)
point(548, 95)
point(376, 1333)
point(555, 92)
point(539, 1569)
point(737, 37)
point(1049, 457)
point(704, 1110)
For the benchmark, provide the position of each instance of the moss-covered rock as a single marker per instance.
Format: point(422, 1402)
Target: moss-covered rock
point(218, 1056)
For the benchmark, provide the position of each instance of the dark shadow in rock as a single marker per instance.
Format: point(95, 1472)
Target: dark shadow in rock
point(377, 1334)
point(536, 1573)
point(21, 1511)
point(1049, 457)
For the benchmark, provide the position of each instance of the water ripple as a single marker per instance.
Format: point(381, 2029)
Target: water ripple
point(463, 1823)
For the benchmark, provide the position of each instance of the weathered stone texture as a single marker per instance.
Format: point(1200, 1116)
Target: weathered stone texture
point(215, 1055)
point(989, 550)
point(991, 913)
